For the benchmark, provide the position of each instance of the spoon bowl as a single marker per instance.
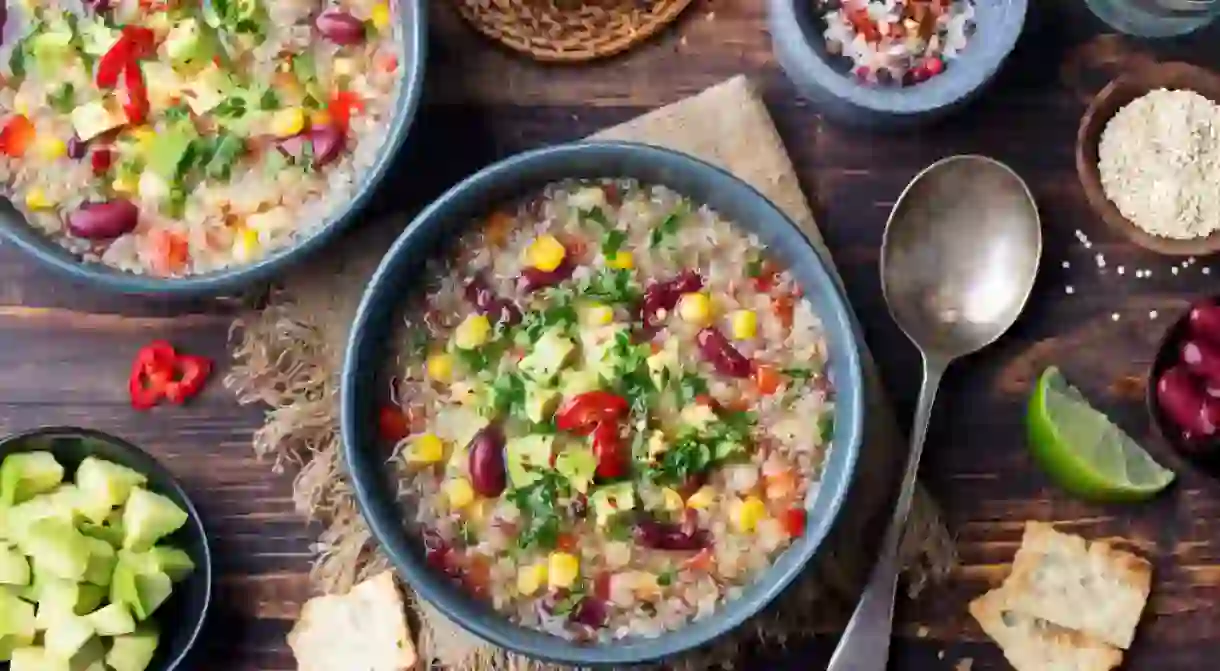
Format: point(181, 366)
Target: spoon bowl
point(958, 262)
point(960, 254)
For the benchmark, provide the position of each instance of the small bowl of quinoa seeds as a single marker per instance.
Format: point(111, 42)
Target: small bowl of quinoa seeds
point(896, 42)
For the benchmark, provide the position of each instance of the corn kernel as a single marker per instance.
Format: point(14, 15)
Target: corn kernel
point(477, 511)
point(427, 449)
point(21, 104)
point(562, 570)
point(673, 500)
point(530, 578)
point(545, 253)
point(381, 16)
point(695, 308)
point(144, 138)
point(748, 513)
point(472, 332)
point(745, 324)
point(459, 492)
point(703, 498)
point(51, 148)
point(597, 314)
point(622, 260)
point(125, 185)
point(440, 367)
point(36, 199)
point(288, 122)
point(246, 246)
point(319, 118)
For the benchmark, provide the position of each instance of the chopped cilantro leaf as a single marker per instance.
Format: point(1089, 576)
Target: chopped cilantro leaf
point(507, 395)
point(613, 242)
point(64, 99)
point(269, 101)
point(826, 427)
point(668, 227)
point(476, 360)
point(690, 387)
point(610, 286)
point(618, 527)
point(225, 154)
point(754, 266)
point(689, 455)
point(666, 578)
point(798, 373)
point(538, 502)
point(595, 215)
point(233, 107)
point(177, 113)
point(559, 312)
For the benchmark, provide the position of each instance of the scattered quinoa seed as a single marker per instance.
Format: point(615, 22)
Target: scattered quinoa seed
point(1174, 270)
point(1114, 317)
point(1069, 289)
point(1152, 314)
point(1121, 270)
point(1066, 265)
point(1207, 270)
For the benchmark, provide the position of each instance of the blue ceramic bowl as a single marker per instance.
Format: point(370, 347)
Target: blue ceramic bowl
point(181, 617)
point(413, 16)
point(796, 36)
point(364, 387)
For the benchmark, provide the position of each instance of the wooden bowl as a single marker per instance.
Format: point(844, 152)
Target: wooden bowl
point(1127, 87)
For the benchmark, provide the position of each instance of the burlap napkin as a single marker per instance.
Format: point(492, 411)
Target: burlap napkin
point(287, 355)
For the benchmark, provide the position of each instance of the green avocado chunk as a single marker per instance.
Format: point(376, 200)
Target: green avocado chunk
point(147, 518)
point(578, 464)
point(27, 474)
point(134, 651)
point(526, 457)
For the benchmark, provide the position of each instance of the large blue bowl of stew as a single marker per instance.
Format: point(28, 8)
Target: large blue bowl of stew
point(424, 556)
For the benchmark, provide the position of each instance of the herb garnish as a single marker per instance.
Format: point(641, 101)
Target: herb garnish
point(799, 373)
point(612, 242)
point(668, 226)
point(233, 107)
point(610, 286)
point(559, 312)
point(64, 99)
point(595, 215)
point(538, 501)
point(506, 395)
point(666, 578)
point(690, 387)
point(826, 427)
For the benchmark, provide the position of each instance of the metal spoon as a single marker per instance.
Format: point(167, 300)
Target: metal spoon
point(958, 261)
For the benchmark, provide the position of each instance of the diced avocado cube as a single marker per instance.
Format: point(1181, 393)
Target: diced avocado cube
point(25, 475)
point(597, 347)
point(578, 464)
point(66, 636)
point(526, 457)
point(577, 382)
point(143, 592)
point(14, 569)
point(727, 449)
point(185, 43)
point(540, 403)
point(101, 562)
point(698, 416)
point(112, 620)
point(58, 547)
point(36, 658)
point(94, 118)
point(147, 517)
point(97, 37)
point(23, 516)
point(38, 579)
point(134, 651)
point(90, 657)
point(51, 51)
point(104, 532)
point(611, 500)
point(663, 365)
point(107, 485)
point(89, 597)
point(548, 356)
point(208, 89)
point(171, 561)
point(57, 598)
point(16, 617)
point(164, 85)
point(167, 152)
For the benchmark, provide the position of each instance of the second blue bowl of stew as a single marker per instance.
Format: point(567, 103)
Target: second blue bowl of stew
point(601, 403)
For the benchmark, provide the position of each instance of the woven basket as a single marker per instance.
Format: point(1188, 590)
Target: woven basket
point(570, 31)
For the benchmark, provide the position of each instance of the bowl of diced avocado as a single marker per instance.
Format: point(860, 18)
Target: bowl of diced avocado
point(104, 562)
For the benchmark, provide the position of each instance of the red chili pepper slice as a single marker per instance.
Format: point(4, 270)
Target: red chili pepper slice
point(151, 372)
point(193, 371)
point(112, 63)
point(135, 95)
point(608, 449)
point(582, 413)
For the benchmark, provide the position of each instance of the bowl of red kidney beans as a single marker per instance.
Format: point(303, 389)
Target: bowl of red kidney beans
point(1183, 394)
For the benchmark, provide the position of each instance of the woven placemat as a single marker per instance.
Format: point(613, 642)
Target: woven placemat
point(288, 356)
point(569, 31)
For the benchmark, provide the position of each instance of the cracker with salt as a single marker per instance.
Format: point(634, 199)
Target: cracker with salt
point(1030, 644)
point(1092, 588)
point(363, 630)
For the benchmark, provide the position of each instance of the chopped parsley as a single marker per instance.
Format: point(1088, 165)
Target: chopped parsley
point(666, 578)
point(618, 527)
point(539, 502)
point(826, 427)
point(668, 227)
point(468, 535)
point(233, 107)
point(478, 359)
point(269, 101)
point(797, 373)
point(559, 312)
point(179, 112)
point(690, 387)
point(63, 99)
point(225, 152)
point(507, 395)
point(690, 455)
point(612, 242)
point(610, 286)
point(754, 266)
point(595, 215)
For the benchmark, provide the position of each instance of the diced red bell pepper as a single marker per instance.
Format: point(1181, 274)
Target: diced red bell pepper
point(392, 424)
point(113, 63)
point(609, 451)
point(141, 41)
point(794, 522)
point(193, 372)
point(135, 94)
point(341, 107)
point(16, 135)
point(582, 413)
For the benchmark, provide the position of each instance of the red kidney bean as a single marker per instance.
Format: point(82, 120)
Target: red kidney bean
point(663, 296)
point(326, 142)
point(104, 221)
point(1185, 404)
point(591, 612)
point(1202, 359)
point(487, 471)
point(340, 27)
point(100, 160)
point(1204, 320)
point(500, 310)
point(718, 351)
point(77, 148)
point(532, 279)
point(438, 553)
point(673, 537)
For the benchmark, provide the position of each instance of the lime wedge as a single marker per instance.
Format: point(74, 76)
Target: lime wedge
point(1083, 451)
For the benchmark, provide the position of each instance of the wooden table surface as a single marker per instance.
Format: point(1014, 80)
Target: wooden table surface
point(65, 350)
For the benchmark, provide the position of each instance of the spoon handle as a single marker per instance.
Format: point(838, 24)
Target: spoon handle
point(865, 645)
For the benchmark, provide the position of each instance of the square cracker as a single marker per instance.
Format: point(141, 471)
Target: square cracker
point(1090, 587)
point(1030, 644)
point(363, 630)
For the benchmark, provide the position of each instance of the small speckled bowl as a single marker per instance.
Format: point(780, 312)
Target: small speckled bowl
point(796, 35)
point(413, 17)
point(182, 616)
point(368, 349)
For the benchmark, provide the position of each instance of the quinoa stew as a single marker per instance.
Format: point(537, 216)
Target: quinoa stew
point(179, 137)
point(607, 411)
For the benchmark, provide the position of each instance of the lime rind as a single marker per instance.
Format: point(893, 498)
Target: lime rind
point(1083, 451)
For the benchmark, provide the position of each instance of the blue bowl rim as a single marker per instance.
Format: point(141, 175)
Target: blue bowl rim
point(791, 24)
point(13, 227)
point(371, 491)
point(152, 464)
